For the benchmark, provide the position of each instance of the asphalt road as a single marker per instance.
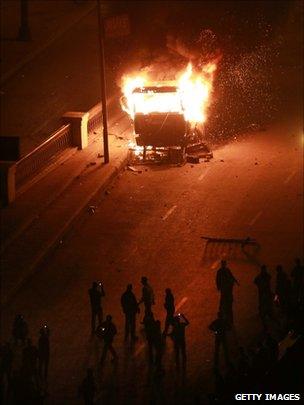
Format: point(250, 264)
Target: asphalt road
point(151, 224)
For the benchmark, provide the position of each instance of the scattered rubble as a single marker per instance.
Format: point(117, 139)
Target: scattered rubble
point(92, 209)
point(91, 164)
point(192, 159)
point(133, 169)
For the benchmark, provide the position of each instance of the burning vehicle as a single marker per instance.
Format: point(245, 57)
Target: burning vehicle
point(169, 115)
point(159, 128)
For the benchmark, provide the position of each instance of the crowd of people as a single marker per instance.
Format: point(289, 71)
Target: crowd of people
point(281, 310)
point(283, 307)
point(27, 381)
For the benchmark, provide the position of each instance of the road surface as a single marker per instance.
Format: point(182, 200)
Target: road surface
point(151, 224)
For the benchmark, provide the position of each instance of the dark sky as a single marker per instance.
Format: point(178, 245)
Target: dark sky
point(245, 22)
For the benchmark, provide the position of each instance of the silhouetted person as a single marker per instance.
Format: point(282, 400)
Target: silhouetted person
point(179, 339)
point(225, 282)
point(29, 361)
point(6, 361)
point(260, 362)
point(87, 389)
point(44, 351)
point(219, 327)
point(147, 295)
point(149, 325)
point(20, 329)
point(262, 282)
point(130, 309)
point(243, 363)
point(170, 308)
point(96, 292)
point(157, 344)
point(297, 275)
point(272, 348)
point(107, 331)
point(283, 289)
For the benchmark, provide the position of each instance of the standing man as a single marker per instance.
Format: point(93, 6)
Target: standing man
point(29, 362)
point(107, 330)
point(20, 329)
point(179, 338)
point(297, 275)
point(219, 328)
point(96, 292)
point(130, 309)
point(225, 282)
point(87, 389)
point(149, 324)
point(283, 290)
point(262, 282)
point(44, 352)
point(147, 295)
point(170, 308)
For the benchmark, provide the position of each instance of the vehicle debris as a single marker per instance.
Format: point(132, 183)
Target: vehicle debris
point(92, 209)
point(133, 169)
point(193, 159)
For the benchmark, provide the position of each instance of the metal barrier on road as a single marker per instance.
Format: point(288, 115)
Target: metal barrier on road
point(36, 160)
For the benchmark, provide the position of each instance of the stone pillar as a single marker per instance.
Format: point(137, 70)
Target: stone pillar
point(79, 125)
point(8, 182)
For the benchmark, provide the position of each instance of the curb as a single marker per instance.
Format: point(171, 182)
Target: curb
point(57, 237)
point(31, 56)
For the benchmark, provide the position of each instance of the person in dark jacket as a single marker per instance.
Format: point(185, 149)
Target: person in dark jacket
point(87, 389)
point(107, 331)
point(149, 324)
point(44, 352)
point(30, 361)
point(20, 329)
point(158, 345)
point(297, 275)
point(225, 282)
point(262, 282)
point(147, 295)
point(219, 327)
point(179, 339)
point(6, 361)
point(170, 308)
point(96, 292)
point(130, 309)
point(283, 290)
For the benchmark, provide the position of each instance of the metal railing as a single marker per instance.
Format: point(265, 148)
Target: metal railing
point(36, 160)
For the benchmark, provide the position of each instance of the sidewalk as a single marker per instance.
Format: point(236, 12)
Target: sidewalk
point(39, 218)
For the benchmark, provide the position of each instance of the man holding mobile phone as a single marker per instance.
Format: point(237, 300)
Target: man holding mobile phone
point(179, 338)
point(96, 292)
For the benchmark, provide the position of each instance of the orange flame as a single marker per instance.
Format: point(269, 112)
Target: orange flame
point(191, 98)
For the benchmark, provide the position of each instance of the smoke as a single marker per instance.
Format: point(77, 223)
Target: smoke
point(244, 93)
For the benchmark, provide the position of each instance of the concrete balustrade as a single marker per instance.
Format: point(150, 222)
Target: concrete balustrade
point(79, 125)
point(8, 183)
